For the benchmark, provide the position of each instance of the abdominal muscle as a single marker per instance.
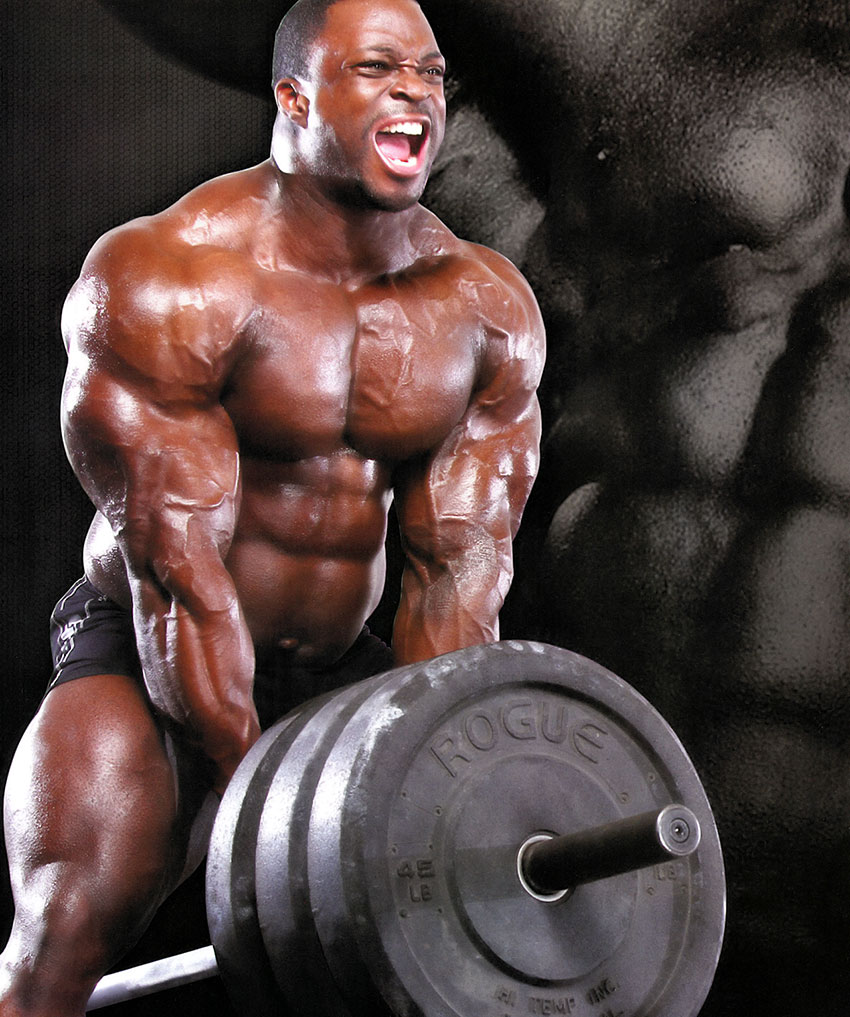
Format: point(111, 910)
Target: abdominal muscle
point(312, 605)
point(307, 558)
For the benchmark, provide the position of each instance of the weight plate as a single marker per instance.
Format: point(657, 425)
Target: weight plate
point(230, 878)
point(421, 808)
point(283, 901)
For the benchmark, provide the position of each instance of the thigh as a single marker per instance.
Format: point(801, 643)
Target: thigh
point(94, 799)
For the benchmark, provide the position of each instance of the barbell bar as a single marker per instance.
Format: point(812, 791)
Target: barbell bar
point(550, 867)
point(156, 976)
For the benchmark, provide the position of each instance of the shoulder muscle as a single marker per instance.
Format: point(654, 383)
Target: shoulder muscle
point(154, 309)
point(514, 337)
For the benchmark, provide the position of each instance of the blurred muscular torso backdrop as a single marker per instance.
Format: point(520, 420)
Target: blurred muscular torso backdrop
point(672, 177)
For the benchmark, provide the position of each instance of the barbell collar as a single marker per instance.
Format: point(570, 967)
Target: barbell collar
point(168, 973)
point(549, 867)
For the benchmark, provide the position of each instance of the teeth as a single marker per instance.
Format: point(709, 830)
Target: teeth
point(406, 128)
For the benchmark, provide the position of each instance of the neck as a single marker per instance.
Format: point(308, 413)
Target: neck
point(328, 238)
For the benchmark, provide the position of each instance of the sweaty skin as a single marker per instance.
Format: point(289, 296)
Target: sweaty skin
point(691, 525)
point(242, 434)
point(240, 419)
point(253, 375)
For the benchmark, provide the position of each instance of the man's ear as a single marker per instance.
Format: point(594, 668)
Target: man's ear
point(291, 101)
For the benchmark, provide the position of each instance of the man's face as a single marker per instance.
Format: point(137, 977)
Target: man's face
point(377, 117)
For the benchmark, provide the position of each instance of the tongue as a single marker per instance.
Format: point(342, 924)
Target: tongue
point(395, 147)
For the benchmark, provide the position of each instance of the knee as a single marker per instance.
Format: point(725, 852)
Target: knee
point(57, 951)
point(74, 918)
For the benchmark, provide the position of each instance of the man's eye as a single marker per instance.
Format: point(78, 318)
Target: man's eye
point(435, 72)
point(375, 65)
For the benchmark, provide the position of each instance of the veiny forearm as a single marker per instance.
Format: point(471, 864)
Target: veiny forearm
point(453, 603)
point(198, 663)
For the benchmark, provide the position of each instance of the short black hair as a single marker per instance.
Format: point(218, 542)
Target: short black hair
point(295, 36)
point(296, 33)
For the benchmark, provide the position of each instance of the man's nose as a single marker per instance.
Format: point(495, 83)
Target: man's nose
point(409, 83)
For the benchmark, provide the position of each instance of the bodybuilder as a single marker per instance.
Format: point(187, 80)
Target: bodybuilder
point(691, 525)
point(253, 374)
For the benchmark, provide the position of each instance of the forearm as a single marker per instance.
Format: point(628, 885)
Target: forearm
point(448, 605)
point(198, 663)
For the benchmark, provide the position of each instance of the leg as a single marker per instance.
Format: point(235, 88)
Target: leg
point(97, 837)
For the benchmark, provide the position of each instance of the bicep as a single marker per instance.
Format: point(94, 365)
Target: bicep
point(472, 490)
point(142, 420)
point(476, 483)
point(165, 475)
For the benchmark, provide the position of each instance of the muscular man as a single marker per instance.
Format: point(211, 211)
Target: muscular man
point(253, 374)
point(691, 525)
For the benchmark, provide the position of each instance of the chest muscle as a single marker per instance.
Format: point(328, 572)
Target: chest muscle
point(384, 370)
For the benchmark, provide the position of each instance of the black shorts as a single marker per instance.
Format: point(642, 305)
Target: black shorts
point(91, 634)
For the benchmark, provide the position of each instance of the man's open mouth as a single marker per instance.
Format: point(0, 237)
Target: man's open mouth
point(402, 145)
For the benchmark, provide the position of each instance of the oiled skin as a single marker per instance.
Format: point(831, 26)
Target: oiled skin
point(258, 463)
point(253, 375)
point(692, 519)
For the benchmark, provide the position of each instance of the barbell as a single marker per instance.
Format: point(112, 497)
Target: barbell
point(506, 829)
